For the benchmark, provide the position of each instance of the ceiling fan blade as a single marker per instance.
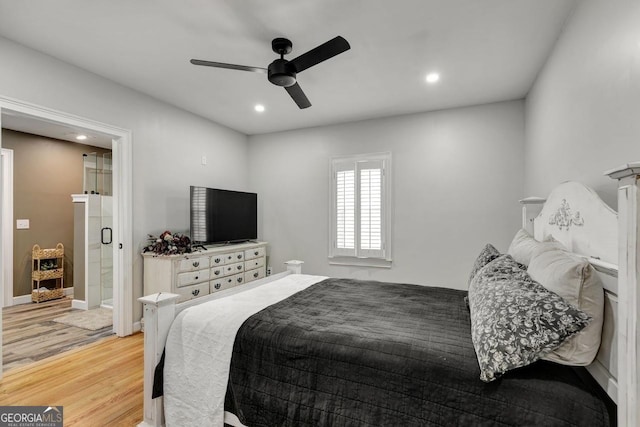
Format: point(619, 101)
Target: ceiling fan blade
point(298, 96)
point(229, 66)
point(321, 53)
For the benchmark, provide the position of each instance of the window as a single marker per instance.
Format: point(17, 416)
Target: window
point(360, 208)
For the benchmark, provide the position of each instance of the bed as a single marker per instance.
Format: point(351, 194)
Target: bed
point(308, 350)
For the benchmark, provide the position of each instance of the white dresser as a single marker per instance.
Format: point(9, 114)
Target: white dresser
point(203, 272)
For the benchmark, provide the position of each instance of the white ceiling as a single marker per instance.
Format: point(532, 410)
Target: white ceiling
point(485, 51)
point(37, 126)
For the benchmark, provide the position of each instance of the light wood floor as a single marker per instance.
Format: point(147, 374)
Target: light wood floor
point(98, 385)
point(30, 334)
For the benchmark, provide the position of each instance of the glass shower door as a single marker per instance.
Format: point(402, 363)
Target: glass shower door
point(106, 252)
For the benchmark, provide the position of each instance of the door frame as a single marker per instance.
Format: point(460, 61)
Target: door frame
point(6, 294)
point(122, 151)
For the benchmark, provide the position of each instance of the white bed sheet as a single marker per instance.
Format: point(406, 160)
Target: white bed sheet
point(199, 347)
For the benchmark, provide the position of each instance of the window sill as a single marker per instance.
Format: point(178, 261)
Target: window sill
point(360, 262)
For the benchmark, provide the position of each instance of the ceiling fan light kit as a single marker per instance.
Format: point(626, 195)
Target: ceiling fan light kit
point(282, 72)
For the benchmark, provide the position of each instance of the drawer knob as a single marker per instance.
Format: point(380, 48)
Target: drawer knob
point(255, 274)
point(217, 272)
point(239, 267)
point(256, 253)
point(196, 263)
point(217, 260)
point(217, 286)
point(239, 256)
point(239, 279)
point(229, 280)
point(195, 292)
point(196, 277)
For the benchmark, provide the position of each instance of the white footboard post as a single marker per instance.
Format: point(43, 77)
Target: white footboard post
point(159, 311)
point(294, 266)
point(628, 294)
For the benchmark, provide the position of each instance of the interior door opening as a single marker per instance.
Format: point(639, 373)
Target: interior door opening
point(120, 141)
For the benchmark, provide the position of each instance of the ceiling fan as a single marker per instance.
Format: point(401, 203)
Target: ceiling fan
point(282, 72)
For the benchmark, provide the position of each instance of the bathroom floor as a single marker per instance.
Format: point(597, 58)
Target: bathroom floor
point(29, 333)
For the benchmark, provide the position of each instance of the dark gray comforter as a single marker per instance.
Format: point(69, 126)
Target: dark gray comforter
point(363, 353)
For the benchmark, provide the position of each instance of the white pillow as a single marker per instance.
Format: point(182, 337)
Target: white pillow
point(574, 279)
point(524, 245)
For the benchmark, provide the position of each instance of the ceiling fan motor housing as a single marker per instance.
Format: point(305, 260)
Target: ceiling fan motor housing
point(281, 73)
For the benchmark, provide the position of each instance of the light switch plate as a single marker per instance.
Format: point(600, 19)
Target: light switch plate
point(22, 224)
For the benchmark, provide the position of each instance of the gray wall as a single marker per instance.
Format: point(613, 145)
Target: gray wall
point(457, 179)
point(583, 113)
point(168, 143)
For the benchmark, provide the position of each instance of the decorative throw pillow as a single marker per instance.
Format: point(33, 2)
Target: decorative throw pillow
point(524, 245)
point(574, 279)
point(488, 254)
point(515, 320)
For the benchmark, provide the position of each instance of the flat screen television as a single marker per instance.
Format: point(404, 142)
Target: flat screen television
point(223, 216)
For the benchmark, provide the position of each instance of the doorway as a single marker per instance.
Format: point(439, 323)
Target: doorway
point(122, 202)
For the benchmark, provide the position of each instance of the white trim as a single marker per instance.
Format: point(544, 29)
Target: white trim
point(360, 262)
point(79, 304)
point(122, 191)
point(26, 299)
point(358, 256)
point(7, 228)
point(137, 327)
point(22, 299)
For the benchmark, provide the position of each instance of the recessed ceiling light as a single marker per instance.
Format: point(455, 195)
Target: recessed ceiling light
point(432, 77)
point(81, 137)
point(259, 108)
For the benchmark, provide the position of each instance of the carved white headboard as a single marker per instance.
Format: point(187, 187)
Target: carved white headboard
point(575, 215)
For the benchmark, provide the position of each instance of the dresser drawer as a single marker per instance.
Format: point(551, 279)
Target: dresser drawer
point(233, 257)
point(220, 284)
point(217, 272)
point(218, 260)
point(238, 279)
point(254, 263)
point(185, 279)
point(253, 253)
point(234, 268)
point(191, 292)
point(191, 264)
point(256, 274)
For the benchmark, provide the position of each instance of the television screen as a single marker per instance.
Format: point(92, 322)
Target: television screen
point(221, 216)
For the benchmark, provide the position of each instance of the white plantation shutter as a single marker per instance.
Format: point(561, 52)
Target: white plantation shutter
point(371, 191)
point(345, 209)
point(346, 205)
point(359, 204)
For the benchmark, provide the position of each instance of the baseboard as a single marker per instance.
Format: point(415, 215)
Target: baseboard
point(22, 299)
point(26, 299)
point(81, 305)
point(137, 327)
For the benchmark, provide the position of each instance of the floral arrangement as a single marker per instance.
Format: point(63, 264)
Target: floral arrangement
point(169, 244)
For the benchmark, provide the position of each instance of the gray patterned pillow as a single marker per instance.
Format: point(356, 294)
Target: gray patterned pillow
point(515, 320)
point(488, 254)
